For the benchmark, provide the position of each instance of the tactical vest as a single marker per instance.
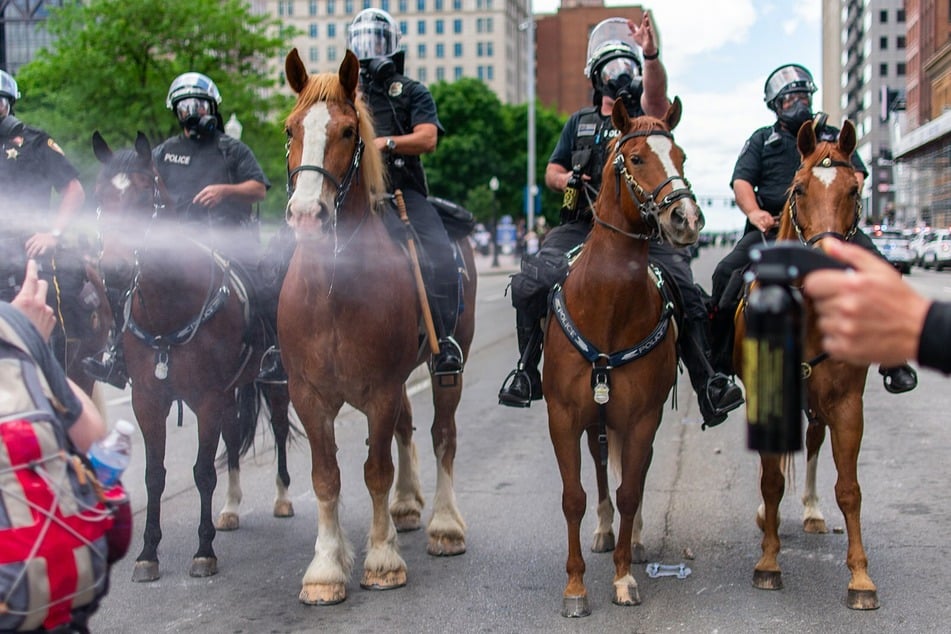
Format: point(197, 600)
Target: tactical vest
point(590, 146)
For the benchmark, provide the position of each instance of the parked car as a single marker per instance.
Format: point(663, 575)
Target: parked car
point(937, 252)
point(896, 250)
point(481, 239)
point(922, 239)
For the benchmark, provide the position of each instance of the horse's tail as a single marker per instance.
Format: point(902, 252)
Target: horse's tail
point(249, 409)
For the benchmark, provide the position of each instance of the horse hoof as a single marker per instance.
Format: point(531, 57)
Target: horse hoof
point(228, 522)
point(145, 571)
point(203, 567)
point(768, 579)
point(445, 546)
point(815, 526)
point(284, 508)
point(406, 522)
point(603, 543)
point(863, 599)
point(323, 593)
point(626, 594)
point(638, 554)
point(387, 580)
point(575, 607)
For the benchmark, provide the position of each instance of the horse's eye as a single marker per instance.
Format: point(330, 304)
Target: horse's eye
point(799, 190)
point(290, 134)
point(349, 133)
point(635, 159)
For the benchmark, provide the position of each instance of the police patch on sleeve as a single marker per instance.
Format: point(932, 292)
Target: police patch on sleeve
point(587, 129)
point(52, 145)
point(396, 89)
point(746, 146)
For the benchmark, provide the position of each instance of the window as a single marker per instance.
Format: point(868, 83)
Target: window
point(900, 15)
point(883, 16)
point(421, 51)
point(490, 69)
point(313, 30)
point(404, 27)
point(403, 5)
point(421, 27)
point(312, 7)
point(480, 72)
point(457, 50)
point(438, 5)
point(331, 53)
point(440, 51)
point(480, 49)
point(900, 69)
point(421, 74)
point(883, 70)
point(457, 25)
point(290, 7)
point(331, 7)
point(440, 27)
point(366, 4)
point(900, 42)
point(489, 50)
point(457, 6)
point(313, 54)
point(348, 7)
point(421, 6)
point(883, 43)
point(440, 73)
point(331, 30)
point(385, 5)
point(457, 72)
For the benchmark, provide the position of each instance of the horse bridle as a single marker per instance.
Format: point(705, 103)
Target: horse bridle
point(342, 185)
point(646, 201)
point(794, 210)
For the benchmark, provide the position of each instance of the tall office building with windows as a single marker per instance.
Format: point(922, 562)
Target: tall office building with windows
point(443, 39)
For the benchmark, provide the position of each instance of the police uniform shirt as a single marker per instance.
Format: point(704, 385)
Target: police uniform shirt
point(769, 160)
point(31, 166)
point(399, 105)
point(586, 128)
point(186, 167)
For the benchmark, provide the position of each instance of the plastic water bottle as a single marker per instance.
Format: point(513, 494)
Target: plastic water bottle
point(110, 456)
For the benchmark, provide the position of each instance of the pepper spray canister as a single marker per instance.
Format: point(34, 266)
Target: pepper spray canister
point(772, 359)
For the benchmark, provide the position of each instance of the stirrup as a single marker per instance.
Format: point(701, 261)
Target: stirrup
point(906, 384)
point(448, 364)
point(507, 394)
point(271, 369)
point(108, 371)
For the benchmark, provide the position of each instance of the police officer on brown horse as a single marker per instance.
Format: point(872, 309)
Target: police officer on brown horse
point(407, 126)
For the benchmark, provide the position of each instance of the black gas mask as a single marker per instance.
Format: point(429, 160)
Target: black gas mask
point(197, 116)
point(380, 69)
point(620, 79)
point(794, 109)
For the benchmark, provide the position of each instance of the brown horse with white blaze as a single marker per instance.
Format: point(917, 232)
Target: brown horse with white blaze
point(824, 202)
point(349, 325)
point(611, 329)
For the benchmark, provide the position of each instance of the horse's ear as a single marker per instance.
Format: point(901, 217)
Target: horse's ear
point(673, 113)
point(100, 148)
point(349, 74)
point(847, 138)
point(620, 118)
point(295, 71)
point(142, 146)
point(806, 139)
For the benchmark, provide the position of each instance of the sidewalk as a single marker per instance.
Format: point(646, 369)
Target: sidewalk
point(508, 265)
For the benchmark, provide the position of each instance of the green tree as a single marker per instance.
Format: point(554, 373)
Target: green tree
point(113, 60)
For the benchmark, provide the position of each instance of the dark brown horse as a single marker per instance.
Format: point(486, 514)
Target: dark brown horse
point(184, 340)
point(349, 325)
point(823, 202)
point(610, 346)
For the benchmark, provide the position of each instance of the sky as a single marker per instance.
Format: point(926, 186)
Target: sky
point(718, 55)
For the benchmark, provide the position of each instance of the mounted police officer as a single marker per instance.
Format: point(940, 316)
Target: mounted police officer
point(761, 179)
point(407, 126)
point(212, 180)
point(623, 63)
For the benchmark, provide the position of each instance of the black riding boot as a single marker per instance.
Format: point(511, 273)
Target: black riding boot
point(524, 384)
point(899, 379)
point(717, 394)
point(111, 367)
point(444, 308)
point(271, 370)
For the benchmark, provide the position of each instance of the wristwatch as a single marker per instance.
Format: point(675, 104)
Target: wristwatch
point(56, 233)
point(390, 144)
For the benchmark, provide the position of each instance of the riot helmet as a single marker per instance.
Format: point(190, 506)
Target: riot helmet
point(614, 60)
point(788, 92)
point(374, 38)
point(194, 99)
point(9, 93)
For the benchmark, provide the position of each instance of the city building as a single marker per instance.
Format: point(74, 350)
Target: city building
point(864, 72)
point(21, 31)
point(443, 39)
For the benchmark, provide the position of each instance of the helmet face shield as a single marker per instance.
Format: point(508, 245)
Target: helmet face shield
point(192, 85)
point(192, 107)
point(617, 68)
point(8, 90)
point(788, 79)
point(373, 34)
point(611, 38)
point(4, 106)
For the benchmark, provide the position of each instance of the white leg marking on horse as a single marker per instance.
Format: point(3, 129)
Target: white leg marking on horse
point(826, 175)
point(407, 494)
point(233, 498)
point(446, 520)
point(310, 183)
point(662, 147)
point(333, 554)
point(606, 516)
point(810, 499)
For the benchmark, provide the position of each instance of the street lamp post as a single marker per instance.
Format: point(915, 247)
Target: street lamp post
point(494, 186)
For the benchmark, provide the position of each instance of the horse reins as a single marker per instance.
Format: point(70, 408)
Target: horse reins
point(646, 201)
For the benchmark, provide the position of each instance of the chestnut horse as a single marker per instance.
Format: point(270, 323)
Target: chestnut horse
point(184, 340)
point(824, 201)
point(611, 330)
point(349, 324)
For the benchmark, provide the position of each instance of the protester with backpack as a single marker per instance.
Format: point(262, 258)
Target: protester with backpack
point(57, 533)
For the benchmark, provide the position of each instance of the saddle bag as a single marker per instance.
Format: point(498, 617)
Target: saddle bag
point(458, 220)
point(54, 522)
point(539, 274)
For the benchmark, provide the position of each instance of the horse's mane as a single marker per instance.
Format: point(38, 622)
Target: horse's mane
point(326, 87)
